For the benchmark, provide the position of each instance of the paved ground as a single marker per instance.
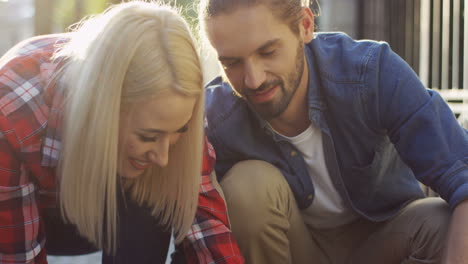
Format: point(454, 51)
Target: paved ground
point(94, 258)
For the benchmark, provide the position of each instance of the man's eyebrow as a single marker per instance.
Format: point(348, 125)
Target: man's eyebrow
point(268, 44)
point(262, 47)
point(154, 130)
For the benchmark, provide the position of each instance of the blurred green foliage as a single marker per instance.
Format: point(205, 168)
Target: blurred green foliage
point(68, 12)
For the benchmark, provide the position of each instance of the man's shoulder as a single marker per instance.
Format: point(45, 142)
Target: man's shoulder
point(221, 101)
point(340, 56)
point(334, 41)
point(217, 90)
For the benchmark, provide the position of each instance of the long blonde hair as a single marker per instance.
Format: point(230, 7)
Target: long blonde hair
point(131, 52)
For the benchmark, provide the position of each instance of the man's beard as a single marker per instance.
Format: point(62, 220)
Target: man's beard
point(277, 106)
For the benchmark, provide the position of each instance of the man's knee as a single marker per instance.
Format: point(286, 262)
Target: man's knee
point(434, 211)
point(257, 192)
point(429, 234)
point(437, 214)
point(253, 180)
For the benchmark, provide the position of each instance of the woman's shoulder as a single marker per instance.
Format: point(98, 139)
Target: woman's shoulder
point(43, 45)
point(29, 61)
point(28, 67)
point(25, 72)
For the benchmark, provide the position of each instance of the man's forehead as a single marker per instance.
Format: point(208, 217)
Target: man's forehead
point(243, 30)
point(210, 8)
point(241, 15)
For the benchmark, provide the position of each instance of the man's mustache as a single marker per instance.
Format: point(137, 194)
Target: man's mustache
point(263, 87)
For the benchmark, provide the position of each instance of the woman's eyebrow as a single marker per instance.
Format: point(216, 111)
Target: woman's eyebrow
point(155, 130)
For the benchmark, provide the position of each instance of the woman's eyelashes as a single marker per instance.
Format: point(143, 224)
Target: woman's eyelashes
point(154, 138)
point(183, 129)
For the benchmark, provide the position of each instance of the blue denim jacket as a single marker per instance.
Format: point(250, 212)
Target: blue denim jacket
point(382, 130)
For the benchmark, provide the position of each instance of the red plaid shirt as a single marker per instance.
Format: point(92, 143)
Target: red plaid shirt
point(29, 151)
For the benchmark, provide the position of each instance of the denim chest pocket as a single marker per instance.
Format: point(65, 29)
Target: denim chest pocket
point(368, 179)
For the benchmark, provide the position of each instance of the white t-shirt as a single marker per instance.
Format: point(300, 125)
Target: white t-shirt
point(327, 209)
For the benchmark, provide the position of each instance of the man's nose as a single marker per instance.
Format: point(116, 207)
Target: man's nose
point(254, 75)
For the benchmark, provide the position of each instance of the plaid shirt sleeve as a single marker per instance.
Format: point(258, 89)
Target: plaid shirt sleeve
point(210, 240)
point(21, 237)
point(23, 116)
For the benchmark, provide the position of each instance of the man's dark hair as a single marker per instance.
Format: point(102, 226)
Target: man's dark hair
point(288, 11)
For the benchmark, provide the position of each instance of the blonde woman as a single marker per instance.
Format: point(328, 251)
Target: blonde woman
point(106, 123)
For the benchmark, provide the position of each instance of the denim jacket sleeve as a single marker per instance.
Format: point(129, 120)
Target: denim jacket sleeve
point(420, 124)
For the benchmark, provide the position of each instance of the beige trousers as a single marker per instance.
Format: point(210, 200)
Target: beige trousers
point(269, 228)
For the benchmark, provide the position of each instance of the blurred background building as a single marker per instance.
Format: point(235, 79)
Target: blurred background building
point(431, 35)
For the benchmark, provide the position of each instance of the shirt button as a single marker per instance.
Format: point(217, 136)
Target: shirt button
point(293, 153)
point(309, 197)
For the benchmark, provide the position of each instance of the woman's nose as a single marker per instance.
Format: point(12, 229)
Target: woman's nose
point(159, 153)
